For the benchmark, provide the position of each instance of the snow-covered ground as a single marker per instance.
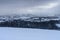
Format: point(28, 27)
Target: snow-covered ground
point(28, 34)
point(27, 18)
point(58, 25)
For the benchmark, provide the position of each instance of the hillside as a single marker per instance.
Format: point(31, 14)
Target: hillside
point(30, 22)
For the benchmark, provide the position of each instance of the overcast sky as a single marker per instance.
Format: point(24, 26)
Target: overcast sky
point(36, 7)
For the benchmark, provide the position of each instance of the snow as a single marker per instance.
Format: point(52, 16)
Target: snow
point(28, 34)
point(27, 18)
point(24, 18)
point(58, 25)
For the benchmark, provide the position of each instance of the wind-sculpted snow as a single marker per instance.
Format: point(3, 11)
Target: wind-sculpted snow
point(28, 34)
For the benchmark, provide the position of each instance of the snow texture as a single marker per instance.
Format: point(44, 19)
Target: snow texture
point(28, 34)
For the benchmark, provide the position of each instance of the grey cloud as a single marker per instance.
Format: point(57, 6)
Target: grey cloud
point(9, 6)
point(23, 3)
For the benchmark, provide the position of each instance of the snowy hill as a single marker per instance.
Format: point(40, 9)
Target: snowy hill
point(28, 34)
point(27, 17)
point(30, 21)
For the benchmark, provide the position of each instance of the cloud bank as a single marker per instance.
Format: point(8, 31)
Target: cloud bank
point(35, 7)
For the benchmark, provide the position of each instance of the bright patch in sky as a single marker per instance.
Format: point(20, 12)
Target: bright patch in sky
point(38, 9)
point(50, 5)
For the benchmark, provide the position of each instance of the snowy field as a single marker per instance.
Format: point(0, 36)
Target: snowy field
point(28, 34)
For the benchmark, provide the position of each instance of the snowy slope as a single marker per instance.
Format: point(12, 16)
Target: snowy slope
point(28, 34)
point(27, 17)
